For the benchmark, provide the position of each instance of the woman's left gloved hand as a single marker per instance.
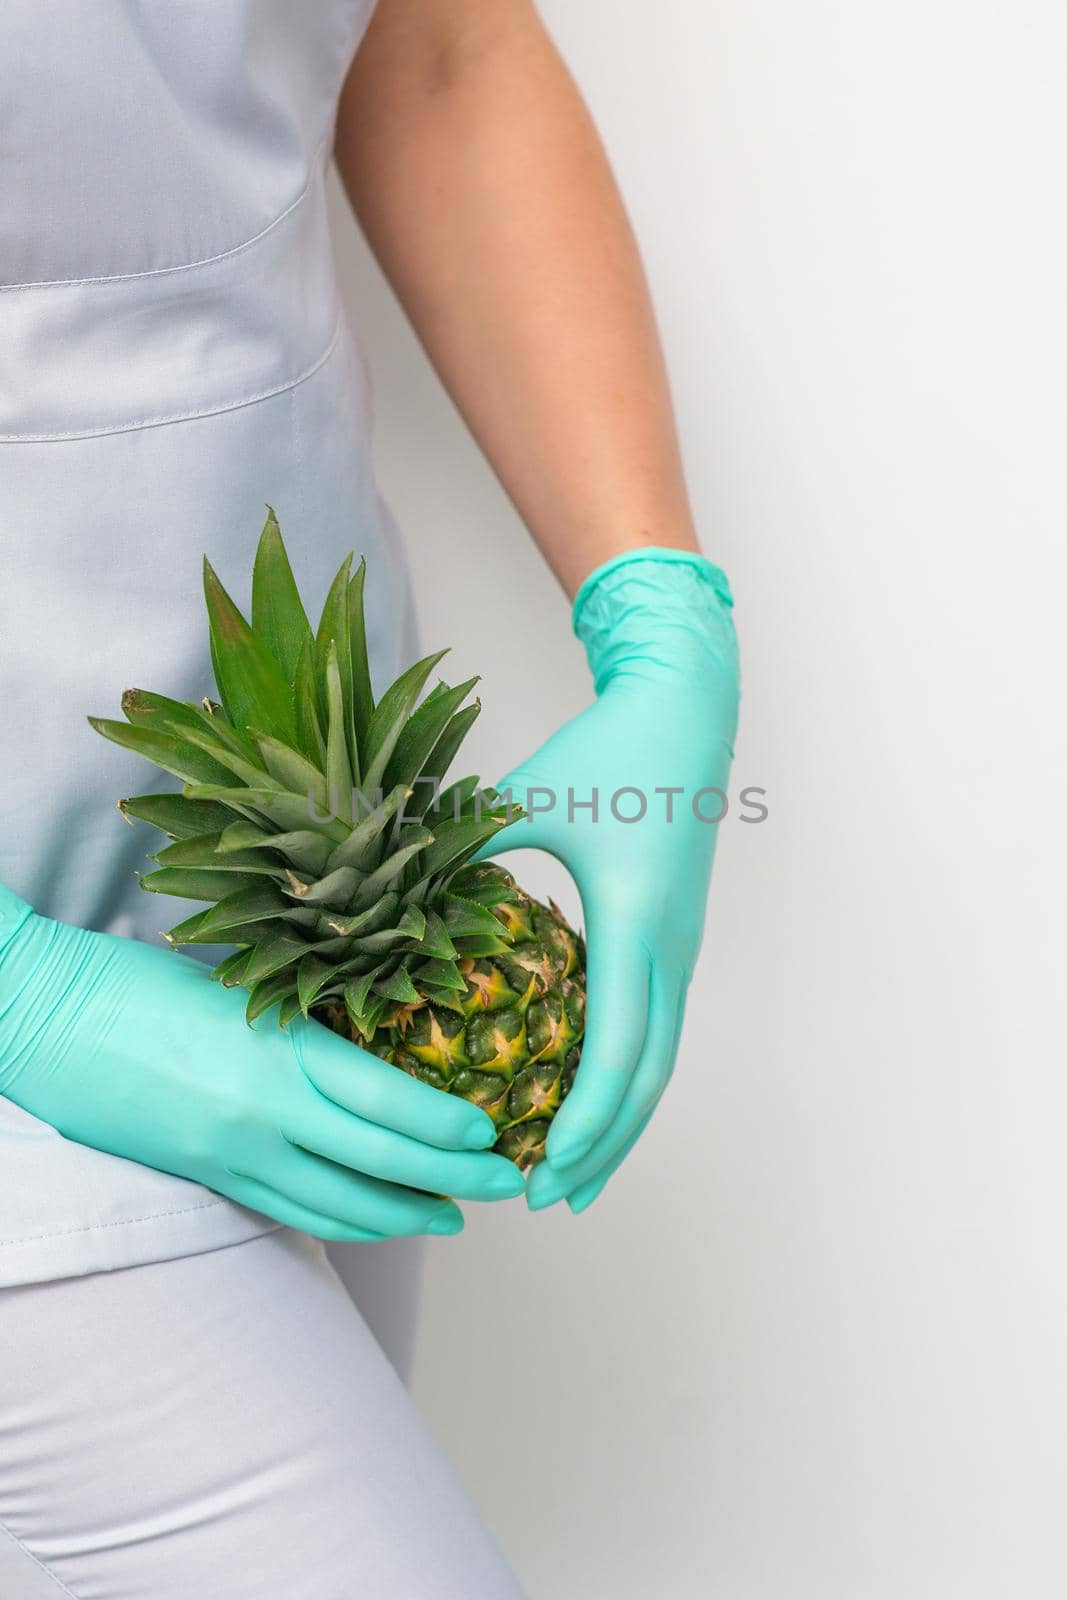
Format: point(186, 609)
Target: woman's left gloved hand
point(654, 746)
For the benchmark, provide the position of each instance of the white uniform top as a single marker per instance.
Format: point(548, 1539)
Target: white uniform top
point(172, 355)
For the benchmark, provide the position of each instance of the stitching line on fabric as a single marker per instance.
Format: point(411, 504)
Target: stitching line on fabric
point(181, 266)
point(126, 1222)
point(181, 416)
point(28, 1553)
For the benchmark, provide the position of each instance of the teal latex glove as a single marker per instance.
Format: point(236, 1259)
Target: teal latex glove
point(136, 1051)
point(660, 641)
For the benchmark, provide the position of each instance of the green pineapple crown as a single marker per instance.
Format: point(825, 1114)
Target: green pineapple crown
point(312, 818)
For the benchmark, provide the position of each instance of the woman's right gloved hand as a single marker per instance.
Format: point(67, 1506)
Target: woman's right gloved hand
point(136, 1051)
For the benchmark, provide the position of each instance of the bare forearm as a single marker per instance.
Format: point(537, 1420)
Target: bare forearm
point(482, 187)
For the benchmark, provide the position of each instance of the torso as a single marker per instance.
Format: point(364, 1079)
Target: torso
point(174, 356)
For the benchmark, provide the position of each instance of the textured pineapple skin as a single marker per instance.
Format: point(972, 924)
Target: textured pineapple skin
point(512, 1043)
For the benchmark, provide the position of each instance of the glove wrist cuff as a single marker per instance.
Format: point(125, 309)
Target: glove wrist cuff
point(661, 555)
point(654, 610)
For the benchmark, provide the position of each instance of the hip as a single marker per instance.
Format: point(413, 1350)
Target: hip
point(228, 1428)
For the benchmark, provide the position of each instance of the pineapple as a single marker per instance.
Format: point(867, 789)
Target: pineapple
point(315, 823)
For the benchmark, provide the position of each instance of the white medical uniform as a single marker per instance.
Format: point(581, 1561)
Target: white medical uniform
point(184, 1386)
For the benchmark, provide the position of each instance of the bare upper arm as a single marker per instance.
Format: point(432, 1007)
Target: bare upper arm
point(423, 45)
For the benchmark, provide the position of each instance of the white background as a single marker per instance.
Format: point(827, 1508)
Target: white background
point(812, 1341)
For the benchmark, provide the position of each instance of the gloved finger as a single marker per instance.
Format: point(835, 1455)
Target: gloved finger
point(583, 1197)
point(618, 975)
point(521, 791)
point(547, 1185)
point(261, 1197)
point(353, 1198)
point(365, 1147)
point(586, 1193)
point(361, 1083)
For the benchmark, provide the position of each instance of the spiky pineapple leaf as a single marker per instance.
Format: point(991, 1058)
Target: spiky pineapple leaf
point(466, 917)
point(246, 907)
point(251, 684)
point(389, 717)
point(456, 799)
point(413, 922)
point(333, 637)
point(191, 883)
point(387, 875)
point(201, 851)
point(309, 735)
point(289, 812)
point(278, 614)
point(174, 815)
point(438, 997)
point(482, 882)
point(232, 970)
point(355, 849)
point(356, 992)
point(186, 932)
point(375, 1011)
point(476, 945)
point(384, 942)
point(362, 693)
point(292, 771)
point(456, 841)
point(397, 986)
point(441, 974)
point(335, 887)
point(319, 904)
point(340, 776)
point(282, 949)
point(166, 750)
point(435, 941)
point(177, 717)
point(422, 731)
point(444, 751)
point(304, 849)
point(158, 711)
point(290, 1010)
point(251, 772)
point(346, 925)
point(312, 976)
point(266, 994)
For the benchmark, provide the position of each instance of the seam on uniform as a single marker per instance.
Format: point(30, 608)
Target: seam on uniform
point(181, 416)
point(17, 1542)
point(181, 266)
point(125, 1222)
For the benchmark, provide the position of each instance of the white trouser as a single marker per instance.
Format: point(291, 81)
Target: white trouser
point(221, 1426)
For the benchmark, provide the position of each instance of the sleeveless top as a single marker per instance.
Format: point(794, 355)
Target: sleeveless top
point(173, 355)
